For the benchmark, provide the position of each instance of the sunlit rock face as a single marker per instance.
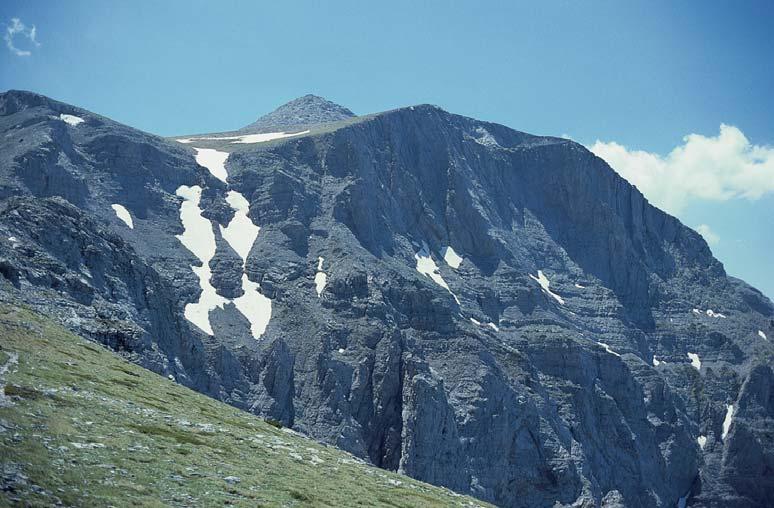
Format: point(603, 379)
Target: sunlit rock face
point(480, 308)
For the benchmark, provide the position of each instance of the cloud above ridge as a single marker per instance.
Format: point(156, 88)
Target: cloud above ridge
point(714, 168)
point(709, 235)
point(16, 27)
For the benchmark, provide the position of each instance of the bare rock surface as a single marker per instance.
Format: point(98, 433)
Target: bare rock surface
point(585, 351)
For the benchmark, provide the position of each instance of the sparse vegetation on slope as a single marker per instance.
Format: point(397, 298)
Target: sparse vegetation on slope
point(81, 426)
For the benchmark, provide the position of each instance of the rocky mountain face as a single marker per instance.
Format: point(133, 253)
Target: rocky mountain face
point(479, 308)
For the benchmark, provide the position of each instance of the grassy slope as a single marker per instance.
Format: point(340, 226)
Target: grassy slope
point(231, 147)
point(79, 424)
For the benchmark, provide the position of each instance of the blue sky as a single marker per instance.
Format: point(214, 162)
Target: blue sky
point(636, 76)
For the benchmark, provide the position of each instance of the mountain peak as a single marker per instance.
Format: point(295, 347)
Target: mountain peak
point(303, 111)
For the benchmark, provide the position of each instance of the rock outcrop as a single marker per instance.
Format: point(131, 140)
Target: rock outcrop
point(309, 110)
point(587, 350)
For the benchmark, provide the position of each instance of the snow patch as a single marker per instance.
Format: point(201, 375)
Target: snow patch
point(579, 286)
point(214, 161)
point(427, 267)
point(254, 306)
point(341, 350)
point(123, 214)
point(197, 231)
point(762, 335)
point(695, 361)
point(246, 138)
point(320, 278)
point(656, 362)
point(268, 136)
point(71, 119)
point(727, 420)
point(544, 283)
point(485, 138)
point(452, 258)
point(709, 312)
point(490, 324)
point(198, 238)
point(702, 440)
point(240, 232)
point(608, 348)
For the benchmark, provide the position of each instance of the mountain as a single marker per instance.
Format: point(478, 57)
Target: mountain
point(473, 306)
point(302, 112)
point(119, 425)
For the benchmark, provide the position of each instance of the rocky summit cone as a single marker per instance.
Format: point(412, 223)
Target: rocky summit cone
point(304, 111)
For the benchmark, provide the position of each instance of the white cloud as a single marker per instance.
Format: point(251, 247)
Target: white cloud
point(17, 27)
point(709, 235)
point(718, 168)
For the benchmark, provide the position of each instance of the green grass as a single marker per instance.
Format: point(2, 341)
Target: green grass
point(90, 429)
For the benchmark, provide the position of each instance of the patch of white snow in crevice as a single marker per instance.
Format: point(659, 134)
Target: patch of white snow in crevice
point(267, 136)
point(241, 232)
point(762, 335)
point(197, 231)
point(214, 161)
point(485, 138)
point(695, 361)
point(123, 214)
point(489, 324)
point(710, 313)
point(320, 278)
point(198, 238)
point(427, 267)
point(71, 119)
point(544, 283)
point(608, 348)
point(727, 420)
point(656, 362)
point(702, 440)
point(246, 138)
point(579, 286)
point(254, 306)
point(452, 258)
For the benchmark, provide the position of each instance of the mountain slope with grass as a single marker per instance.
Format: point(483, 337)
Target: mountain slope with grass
point(81, 426)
